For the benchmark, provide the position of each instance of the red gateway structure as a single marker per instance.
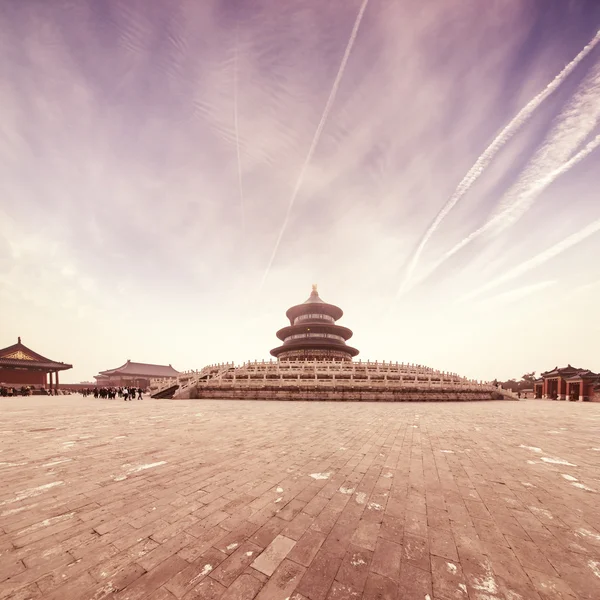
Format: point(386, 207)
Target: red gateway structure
point(312, 333)
point(568, 383)
point(21, 366)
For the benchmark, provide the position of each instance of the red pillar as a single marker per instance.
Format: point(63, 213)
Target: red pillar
point(581, 389)
point(56, 380)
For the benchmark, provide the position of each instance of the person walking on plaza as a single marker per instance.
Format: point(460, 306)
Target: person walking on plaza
point(125, 394)
point(139, 391)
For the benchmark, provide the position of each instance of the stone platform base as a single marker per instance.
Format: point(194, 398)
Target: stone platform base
point(340, 395)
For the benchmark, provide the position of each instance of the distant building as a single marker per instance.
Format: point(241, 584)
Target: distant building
point(21, 366)
point(568, 383)
point(134, 374)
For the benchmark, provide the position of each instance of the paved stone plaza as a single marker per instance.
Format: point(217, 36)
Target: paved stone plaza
point(164, 499)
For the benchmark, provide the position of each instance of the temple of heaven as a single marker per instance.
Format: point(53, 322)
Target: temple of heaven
point(314, 363)
point(313, 334)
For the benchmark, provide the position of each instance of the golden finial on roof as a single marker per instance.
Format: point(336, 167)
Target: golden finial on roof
point(314, 288)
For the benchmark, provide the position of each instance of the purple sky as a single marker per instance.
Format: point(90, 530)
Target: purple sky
point(172, 180)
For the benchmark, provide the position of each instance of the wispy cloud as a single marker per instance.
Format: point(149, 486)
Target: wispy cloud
point(237, 130)
point(318, 132)
point(490, 152)
point(558, 153)
point(539, 259)
point(515, 294)
point(550, 162)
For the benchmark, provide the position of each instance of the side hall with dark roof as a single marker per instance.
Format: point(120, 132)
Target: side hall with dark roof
point(134, 373)
point(21, 366)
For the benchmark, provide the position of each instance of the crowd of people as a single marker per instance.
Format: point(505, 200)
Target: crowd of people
point(25, 390)
point(111, 393)
point(12, 391)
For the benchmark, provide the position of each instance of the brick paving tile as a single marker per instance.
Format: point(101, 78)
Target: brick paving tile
point(201, 544)
point(578, 578)
point(291, 510)
point(415, 523)
point(415, 550)
point(245, 587)
point(31, 592)
point(273, 554)
point(438, 519)
point(480, 577)
point(339, 539)
point(378, 587)
point(256, 574)
point(268, 532)
point(414, 584)
point(549, 587)
point(105, 570)
point(130, 538)
point(207, 589)
point(116, 582)
point(107, 500)
point(228, 571)
point(355, 567)
point(235, 538)
point(341, 591)
point(508, 525)
point(298, 526)
point(73, 589)
point(326, 520)
point(320, 575)
point(165, 550)
point(315, 506)
point(441, 543)
point(10, 568)
point(530, 556)
point(283, 581)
point(448, 580)
point(366, 534)
point(192, 575)
point(392, 529)
point(386, 559)
point(307, 547)
point(161, 594)
point(51, 575)
point(153, 579)
point(395, 508)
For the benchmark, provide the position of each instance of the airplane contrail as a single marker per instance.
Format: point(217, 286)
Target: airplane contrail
point(574, 125)
point(533, 193)
point(318, 132)
point(540, 259)
point(237, 131)
point(513, 212)
point(490, 152)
